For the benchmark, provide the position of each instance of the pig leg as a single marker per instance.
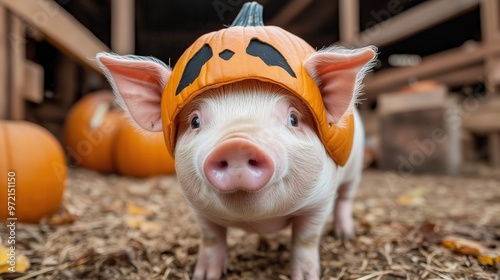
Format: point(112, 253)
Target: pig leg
point(343, 224)
point(212, 255)
point(307, 231)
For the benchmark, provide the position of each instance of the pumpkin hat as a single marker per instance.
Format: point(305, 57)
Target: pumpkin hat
point(249, 50)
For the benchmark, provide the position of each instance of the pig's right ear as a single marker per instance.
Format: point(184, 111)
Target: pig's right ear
point(338, 72)
point(138, 83)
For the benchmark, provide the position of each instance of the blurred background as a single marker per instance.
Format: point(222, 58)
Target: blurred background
point(437, 72)
point(431, 112)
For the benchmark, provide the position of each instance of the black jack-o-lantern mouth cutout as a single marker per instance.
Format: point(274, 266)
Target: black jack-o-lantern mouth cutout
point(267, 53)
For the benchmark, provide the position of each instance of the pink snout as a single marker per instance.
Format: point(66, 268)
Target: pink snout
point(238, 165)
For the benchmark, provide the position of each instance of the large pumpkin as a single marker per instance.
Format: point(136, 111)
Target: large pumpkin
point(249, 50)
point(35, 160)
point(90, 131)
point(141, 154)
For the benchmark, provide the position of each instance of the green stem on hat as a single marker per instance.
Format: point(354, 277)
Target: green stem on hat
point(249, 15)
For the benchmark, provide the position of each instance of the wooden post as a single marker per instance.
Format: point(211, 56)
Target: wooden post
point(494, 142)
point(349, 20)
point(33, 82)
point(17, 54)
point(123, 26)
point(490, 13)
point(3, 64)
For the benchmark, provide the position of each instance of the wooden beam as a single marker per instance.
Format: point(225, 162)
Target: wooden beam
point(349, 20)
point(461, 77)
point(290, 11)
point(17, 54)
point(469, 75)
point(123, 26)
point(431, 66)
point(414, 20)
point(60, 28)
point(3, 64)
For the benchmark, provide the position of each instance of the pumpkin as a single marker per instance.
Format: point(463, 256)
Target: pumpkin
point(99, 137)
point(141, 154)
point(249, 50)
point(31, 157)
point(421, 86)
point(90, 131)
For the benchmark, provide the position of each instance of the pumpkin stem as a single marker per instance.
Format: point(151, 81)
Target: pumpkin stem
point(249, 15)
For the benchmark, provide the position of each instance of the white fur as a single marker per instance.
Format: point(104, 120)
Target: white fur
point(302, 190)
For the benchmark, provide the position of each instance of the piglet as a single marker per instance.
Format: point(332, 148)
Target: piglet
point(249, 153)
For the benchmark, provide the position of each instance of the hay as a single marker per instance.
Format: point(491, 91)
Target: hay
point(120, 228)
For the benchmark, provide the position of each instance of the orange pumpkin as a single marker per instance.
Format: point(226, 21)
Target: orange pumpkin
point(249, 50)
point(421, 86)
point(90, 131)
point(100, 138)
point(141, 154)
point(35, 159)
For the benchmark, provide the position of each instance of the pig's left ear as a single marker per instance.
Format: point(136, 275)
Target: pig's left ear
point(138, 84)
point(338, 72)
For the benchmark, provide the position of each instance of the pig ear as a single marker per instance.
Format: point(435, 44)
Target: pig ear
point(338, 72)
point(138, 83)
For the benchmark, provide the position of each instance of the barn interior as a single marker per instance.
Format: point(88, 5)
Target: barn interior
point(438, 68)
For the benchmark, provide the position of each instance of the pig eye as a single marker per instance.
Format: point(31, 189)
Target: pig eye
point(195, 122)
point(293, 120)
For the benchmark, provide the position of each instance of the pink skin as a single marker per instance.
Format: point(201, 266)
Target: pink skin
point(238, 165)
point(246, 165)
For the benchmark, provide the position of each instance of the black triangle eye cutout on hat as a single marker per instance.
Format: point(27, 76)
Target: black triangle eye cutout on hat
point(268, 54)
point(193, 67)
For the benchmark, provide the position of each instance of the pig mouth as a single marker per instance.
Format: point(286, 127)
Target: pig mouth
point(242, 199)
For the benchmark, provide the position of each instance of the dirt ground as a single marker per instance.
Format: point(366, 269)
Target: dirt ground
point(121, 228)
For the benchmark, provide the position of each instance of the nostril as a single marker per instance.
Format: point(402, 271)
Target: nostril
point(253, 162)
point(222, 164)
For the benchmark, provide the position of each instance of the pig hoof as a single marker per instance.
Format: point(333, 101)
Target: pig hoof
point(342, 233)
point(211, 263)
point(305, 264)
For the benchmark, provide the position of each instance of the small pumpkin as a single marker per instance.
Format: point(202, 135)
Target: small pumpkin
point(249, 50)
point(35, 160)
point(141, 154)
point(90, 131)
point(421, 86)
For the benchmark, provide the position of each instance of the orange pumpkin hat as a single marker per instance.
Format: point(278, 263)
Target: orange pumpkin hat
point(249, 50)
